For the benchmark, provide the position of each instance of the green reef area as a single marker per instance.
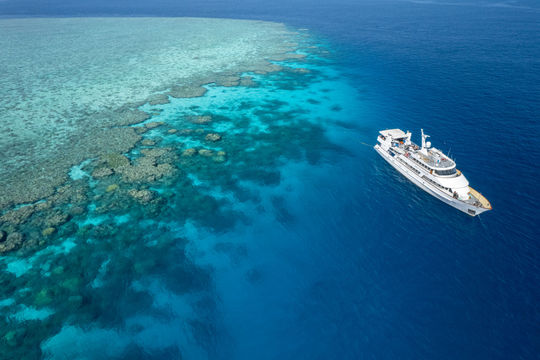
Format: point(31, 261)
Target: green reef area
point(119, 131)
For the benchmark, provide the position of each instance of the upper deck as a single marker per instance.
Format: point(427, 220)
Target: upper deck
point(428, 157)
point(436, 159)
point(395, 134)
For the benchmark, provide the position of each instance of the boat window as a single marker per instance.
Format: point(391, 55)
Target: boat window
point(446, 172)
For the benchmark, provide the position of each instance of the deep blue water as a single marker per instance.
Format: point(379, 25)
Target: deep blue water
point(363, 264)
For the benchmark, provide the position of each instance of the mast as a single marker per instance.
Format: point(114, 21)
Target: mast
point(425, 145)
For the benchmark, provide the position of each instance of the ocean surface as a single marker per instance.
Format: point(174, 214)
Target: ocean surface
point(311, 246)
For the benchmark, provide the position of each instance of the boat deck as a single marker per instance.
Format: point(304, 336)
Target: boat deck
point(432, 157)
point(480, 198)
point(435, 160)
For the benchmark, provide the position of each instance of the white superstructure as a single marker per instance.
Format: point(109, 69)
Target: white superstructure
point(431, 170)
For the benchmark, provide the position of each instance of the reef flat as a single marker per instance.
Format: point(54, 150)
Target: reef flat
point(69, 86)
point(117, 191)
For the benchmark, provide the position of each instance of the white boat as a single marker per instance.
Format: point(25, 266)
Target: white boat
point(431, 170)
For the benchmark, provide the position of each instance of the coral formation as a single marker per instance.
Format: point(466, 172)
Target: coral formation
point(212, 137)
point(187, 91)
point(48, 231)
point(158, 99)
point(147, 168)
point(102, 172)
point(143, 196)
point(93, 246)
point(189, 152)
point(12, 241)
point(111, 188)
point(247, 81)
point(153, 124)
point(206, 152)
point(148, 142)
point(200, 119)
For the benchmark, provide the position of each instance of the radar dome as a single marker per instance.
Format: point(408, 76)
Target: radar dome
point(428, 144)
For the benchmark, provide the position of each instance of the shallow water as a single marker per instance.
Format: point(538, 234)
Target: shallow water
point(65, 81)
point(135, 257)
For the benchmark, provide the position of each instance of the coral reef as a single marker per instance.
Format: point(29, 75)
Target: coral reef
point(143, 196)
point(94, 246)
point(247, 81)
point(189, 152)
point(212, 137)
point(153, 124)
point(148, 142)
point(31, 183)
point(200, 119)
point(102, 172)
point(126, 116)
point(227, 80)
point(158, 99)
point(146, 169)
point(187, 91)
point(55, 218)
point(19, 215)
point(112, 188)
point(11, 242)
point(205, 152)
point(48, 231)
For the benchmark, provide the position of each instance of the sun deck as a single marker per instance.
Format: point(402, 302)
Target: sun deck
point(395, 134)
point(436, 160)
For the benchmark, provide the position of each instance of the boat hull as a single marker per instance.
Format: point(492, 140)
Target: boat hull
point(468, 209)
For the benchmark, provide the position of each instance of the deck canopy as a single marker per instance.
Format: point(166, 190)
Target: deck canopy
point(393, 133)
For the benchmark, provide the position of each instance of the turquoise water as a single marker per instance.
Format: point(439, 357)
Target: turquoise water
point(110, 66)
point(141, 275)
